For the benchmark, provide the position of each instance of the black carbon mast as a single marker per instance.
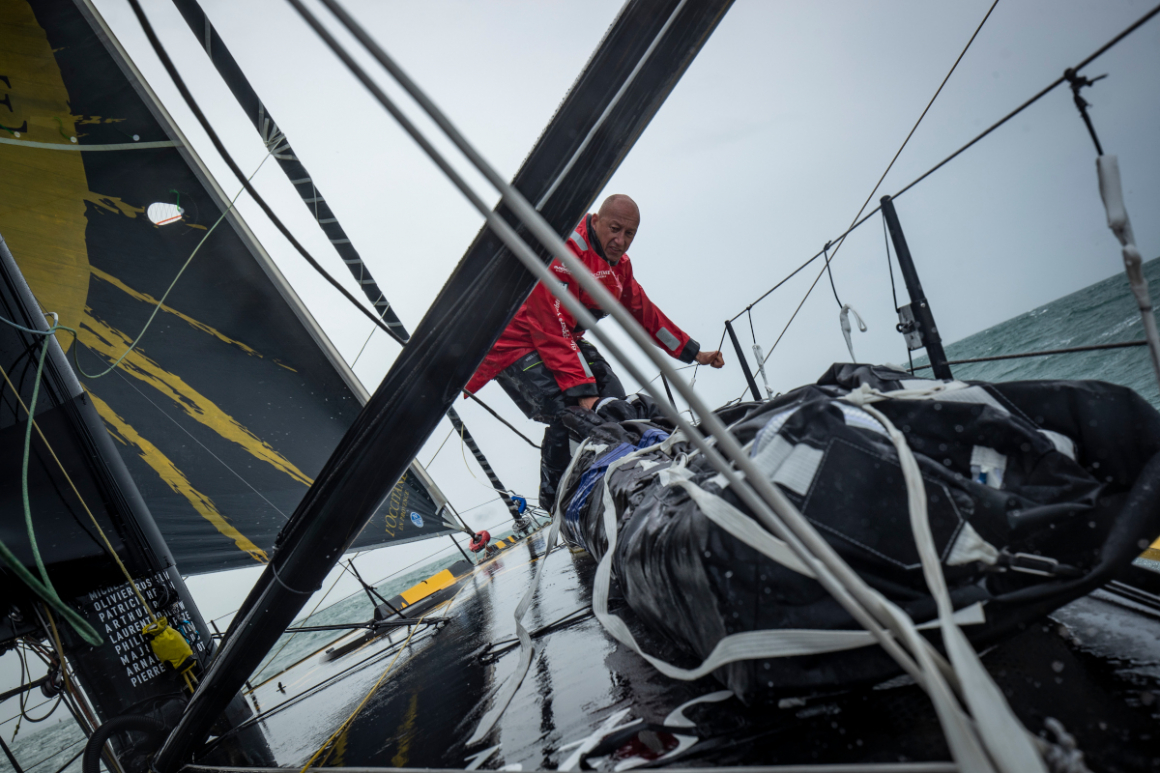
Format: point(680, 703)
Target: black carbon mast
point(279, 146)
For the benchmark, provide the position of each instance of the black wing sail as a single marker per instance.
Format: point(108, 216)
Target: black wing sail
point(230, 405)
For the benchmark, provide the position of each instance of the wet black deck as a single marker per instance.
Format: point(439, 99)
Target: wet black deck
point(1095, 666)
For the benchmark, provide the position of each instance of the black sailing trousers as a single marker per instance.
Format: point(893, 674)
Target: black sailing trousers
point(533, 388)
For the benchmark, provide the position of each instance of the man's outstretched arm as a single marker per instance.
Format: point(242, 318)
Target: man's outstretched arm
point(664, 331)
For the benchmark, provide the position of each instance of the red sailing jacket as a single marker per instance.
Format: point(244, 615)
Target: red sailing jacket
point(543, 324)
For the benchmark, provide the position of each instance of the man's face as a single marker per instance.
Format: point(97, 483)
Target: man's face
point(615, 227)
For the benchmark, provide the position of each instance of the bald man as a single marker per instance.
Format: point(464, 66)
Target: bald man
point(543, 361)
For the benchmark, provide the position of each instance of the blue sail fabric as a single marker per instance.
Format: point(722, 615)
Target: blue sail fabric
point(594, 474)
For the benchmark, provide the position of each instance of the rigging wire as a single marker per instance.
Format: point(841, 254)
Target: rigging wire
point(203, 446)
point(877, 185)
point(829, 271)
point(501, 419)
point(377, 583)
point(363, 348)
point(1052, 86)
point(890, 265)
point(71, 689)
point(25, 678)
point(347, 722)
point(683, 367)
point(290, 638)
point(506, 494)
point(82, 626)
point(71, 759)
point(697, 366)
point(1042, 353)
point(925, 110)
point(893, 289)
point(313, 690)
point(58, 753)
point(440, 448)
point(179, 82)
point(380, 581)
point(1046, 90)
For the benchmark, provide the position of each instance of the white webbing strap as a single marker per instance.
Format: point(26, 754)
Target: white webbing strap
point(750, 645)
point(527, 648)
point(995, 727)
point(568, 473)
point(743, 528)
point(759, 356)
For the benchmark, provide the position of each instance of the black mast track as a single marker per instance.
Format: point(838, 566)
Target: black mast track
point(479, 299)
point(279, 145)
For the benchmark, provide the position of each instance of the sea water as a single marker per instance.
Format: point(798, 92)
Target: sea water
point(1104, 312)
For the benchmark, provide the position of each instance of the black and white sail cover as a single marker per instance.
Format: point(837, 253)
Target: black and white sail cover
point(234, 400)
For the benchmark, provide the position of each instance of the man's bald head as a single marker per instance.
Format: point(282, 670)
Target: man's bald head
point(615, 225)
point(621, 205)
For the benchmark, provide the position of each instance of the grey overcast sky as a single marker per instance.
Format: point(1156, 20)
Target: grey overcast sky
point(764, 151)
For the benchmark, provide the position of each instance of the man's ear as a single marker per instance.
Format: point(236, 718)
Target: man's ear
point(595, 218)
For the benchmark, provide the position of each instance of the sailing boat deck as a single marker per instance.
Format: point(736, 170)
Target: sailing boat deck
point(414, 701)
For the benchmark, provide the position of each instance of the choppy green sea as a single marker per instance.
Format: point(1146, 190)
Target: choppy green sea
point(1104, 312)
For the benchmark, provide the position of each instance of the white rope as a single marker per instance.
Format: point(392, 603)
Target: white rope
point(527, 648)
point(844, 321)
point(759, 355)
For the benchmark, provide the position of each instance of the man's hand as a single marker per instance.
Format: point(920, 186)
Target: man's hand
point(589, 403)
point(712, 359)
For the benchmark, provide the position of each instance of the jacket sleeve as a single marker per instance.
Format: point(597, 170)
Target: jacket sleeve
point(667, 335)
point(551, 330)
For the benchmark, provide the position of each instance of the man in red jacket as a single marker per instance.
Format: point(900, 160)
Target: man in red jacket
point(542, 360)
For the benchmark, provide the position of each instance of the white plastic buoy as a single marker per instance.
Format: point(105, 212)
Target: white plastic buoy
point(164, 213)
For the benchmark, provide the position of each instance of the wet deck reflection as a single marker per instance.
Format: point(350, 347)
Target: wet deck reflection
point(581, 685)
